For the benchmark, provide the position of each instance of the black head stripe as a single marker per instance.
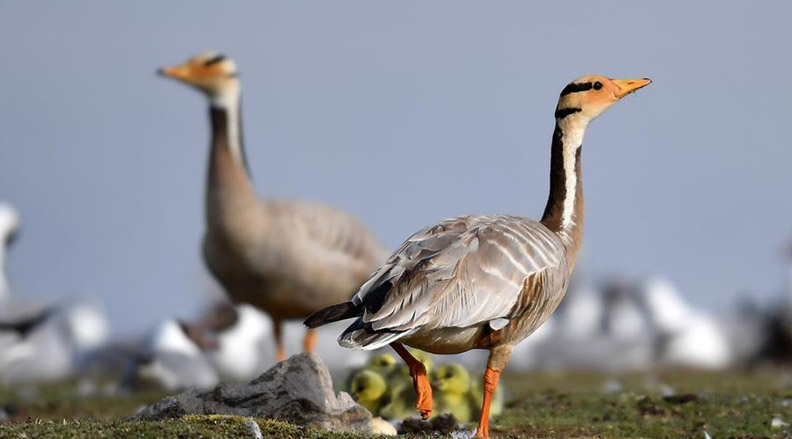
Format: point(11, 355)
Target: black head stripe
point(214, 60)
point(574, 88)
point(564, 112)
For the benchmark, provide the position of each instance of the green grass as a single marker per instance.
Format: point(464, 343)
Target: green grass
point(727, 405)
point(188, 427)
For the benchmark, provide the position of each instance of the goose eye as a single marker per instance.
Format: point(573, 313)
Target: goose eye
point(597, 85)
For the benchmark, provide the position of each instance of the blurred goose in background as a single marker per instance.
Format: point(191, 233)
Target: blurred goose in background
point(687, 337)
point(171, 358)
point(483, 281)
point(52, 344)
point(287, 258)
point(9, 228)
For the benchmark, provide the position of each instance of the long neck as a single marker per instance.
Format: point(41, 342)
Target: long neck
point(229, 188)
point(565, 210)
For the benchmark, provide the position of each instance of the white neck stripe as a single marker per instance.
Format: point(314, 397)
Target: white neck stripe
point(229, 101)
point(573, 139)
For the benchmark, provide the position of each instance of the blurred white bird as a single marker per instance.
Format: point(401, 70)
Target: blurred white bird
point(239, 355)
point(172, 359)
point(51, 344)
point(623, 318)
point(239, 352)
point(9, 228)
point(688, 337)
point(581, 312)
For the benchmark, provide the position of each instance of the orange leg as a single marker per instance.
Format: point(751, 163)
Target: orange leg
point(491, 378)
point(423, 390)
point(280, 353)
point(309, 343)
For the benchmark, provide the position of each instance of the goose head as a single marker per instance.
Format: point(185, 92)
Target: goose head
point(587, 97)
point(211, 72)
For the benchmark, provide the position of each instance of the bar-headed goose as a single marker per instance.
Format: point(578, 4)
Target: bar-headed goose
point(287, 258)
point(483, 281)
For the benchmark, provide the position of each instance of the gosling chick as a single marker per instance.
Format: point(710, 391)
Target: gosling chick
point(383, 364)
point(451, 385)
point(368, 388)
point(401, 398)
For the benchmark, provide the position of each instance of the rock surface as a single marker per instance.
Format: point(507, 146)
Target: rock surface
point(298, 390)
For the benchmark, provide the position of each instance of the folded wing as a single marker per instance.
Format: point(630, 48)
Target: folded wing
point(458, 273)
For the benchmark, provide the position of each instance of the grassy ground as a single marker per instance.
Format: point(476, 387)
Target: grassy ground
point(564, 406)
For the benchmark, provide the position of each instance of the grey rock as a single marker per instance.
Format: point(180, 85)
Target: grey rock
point(298, 390)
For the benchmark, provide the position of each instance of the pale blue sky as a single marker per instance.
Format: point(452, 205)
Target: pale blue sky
point(404, 113)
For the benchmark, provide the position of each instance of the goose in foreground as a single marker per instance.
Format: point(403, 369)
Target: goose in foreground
point(287, 258)
point(483, 281)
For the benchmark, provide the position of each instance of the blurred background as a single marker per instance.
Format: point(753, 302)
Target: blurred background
point(401, 114)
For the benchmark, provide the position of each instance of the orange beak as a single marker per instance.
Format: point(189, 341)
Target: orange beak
point(627, 86)
point(177, 72)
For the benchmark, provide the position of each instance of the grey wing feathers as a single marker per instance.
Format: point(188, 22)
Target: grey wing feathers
point(331, 229)
point(457, 273)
